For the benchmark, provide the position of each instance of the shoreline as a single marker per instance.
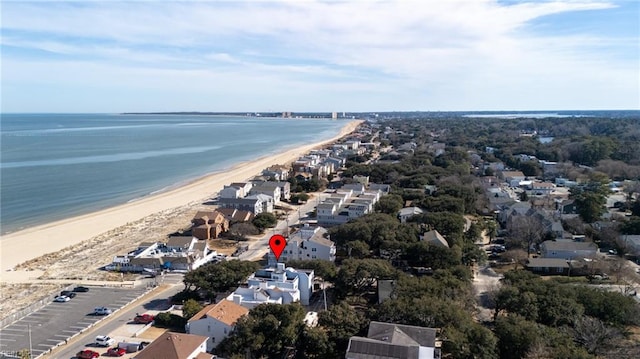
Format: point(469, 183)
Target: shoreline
point(34, 242)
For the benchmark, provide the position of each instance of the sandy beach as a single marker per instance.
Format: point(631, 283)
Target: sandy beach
point(46, 240)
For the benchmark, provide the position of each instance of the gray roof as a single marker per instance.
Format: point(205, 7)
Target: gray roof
point(410, 211)
point(569, 246)
point(547, 263)
point(387, 340)
point(403, 334)
point(434, 237)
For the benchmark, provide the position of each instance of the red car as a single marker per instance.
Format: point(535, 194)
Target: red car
point(143, 319)
point(116, 352)
point(87, 354)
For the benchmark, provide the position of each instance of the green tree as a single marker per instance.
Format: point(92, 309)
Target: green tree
point(264, 220)
point(300, 197)
point(390, 204)
point(190, 308)
point(268, 331)
point(314, 343)
point(516, 336)
point(358, 276)
point(218, 277)
point(342, 322)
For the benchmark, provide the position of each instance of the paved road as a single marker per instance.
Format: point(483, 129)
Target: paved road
point(259, 248)
point(56, 322)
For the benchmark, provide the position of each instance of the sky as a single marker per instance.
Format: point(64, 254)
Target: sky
point(309, 55)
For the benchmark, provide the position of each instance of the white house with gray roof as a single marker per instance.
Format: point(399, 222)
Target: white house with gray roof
point(307, 243)
point(568, 249)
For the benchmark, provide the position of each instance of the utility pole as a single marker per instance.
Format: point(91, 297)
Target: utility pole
point(324, 292)
point(30, 346)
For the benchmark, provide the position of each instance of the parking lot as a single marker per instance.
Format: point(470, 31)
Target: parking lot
point(56, 322)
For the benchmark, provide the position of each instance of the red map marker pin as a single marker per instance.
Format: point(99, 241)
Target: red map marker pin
point(277, 244)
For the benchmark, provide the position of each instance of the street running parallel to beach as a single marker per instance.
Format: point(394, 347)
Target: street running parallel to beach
point(37, 241)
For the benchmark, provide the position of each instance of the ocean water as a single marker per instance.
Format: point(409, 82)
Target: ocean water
point(55, 166)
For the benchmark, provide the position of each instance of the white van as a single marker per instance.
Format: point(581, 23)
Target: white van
point(104, 341)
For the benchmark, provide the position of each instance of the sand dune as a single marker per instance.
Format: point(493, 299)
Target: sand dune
point(37, 241)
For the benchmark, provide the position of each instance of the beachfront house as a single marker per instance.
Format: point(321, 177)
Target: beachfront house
point(209, 224)
point(271, 189)
point(277, 172)
point(255, 203)
point(216, 321)
point(235, 215)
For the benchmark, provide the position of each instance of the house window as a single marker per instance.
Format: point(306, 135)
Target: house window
point(208, 328)
point(225, 330)
point(313, 249)
point(313, 257)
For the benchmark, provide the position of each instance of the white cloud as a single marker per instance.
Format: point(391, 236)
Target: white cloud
point(427, 51)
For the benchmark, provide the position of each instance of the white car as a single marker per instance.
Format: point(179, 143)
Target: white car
point(102, 311)
point(62, 298)
point(104, 341)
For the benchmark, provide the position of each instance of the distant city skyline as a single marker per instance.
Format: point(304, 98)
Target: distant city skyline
point(319, 56)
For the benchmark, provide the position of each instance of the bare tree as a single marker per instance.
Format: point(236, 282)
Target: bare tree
point(526, 231)
point(518, 256)
point(594, 335)
point(538, 351)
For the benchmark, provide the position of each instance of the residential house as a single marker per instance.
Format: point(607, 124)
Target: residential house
point(394, 341)
point(549, 265)
point(235, 215)
point(245, 187)
point(408, 212)
point(303, 176)
point(434, 237)
point(255, 203)
point(278, 285)
point(171, 345)
point(352, 144)
point(385, 289)
point(307, 243)
point(231, 192)
point(513, 178)
point(364, 180)
point(272, 190)
point(357, 188)
point(277, 172)
point(209, 224)
point(216, 321)
point(181, 243)
point(542, 188)
point(336, 162)
point(383, 188)
point(568, 249)
point(632, 243)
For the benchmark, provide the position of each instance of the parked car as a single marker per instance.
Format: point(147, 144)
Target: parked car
point(102, 311)
point(68, 293)
point(87, 354)
point(143, 319)
point(61, 299)
point(81, 289)
point(104, 341)
point(116, 352)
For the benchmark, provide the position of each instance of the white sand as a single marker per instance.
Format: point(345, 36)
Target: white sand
point(37, 241)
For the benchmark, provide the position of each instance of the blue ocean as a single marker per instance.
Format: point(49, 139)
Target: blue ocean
point(55, 166)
